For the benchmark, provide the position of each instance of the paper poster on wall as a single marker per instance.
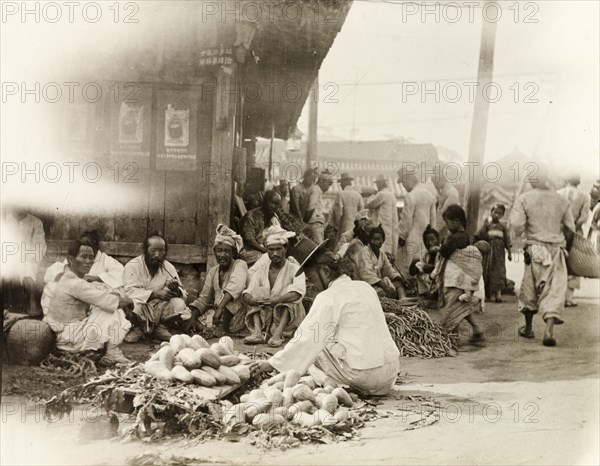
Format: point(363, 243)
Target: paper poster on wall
point(130, 123)
point(178, 128)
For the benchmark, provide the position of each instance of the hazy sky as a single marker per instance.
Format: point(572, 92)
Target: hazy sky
point(383, 48)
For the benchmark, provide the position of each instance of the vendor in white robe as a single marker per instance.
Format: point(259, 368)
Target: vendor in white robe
point(344, 339)
point(158, 294)
point(105, 270)
point(374, 267)
point(274, 294)
point(87, 316)
point(221, 296)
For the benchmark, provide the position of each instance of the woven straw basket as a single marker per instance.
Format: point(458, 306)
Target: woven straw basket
point(582, 259)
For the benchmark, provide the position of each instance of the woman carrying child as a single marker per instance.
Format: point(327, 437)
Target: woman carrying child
point(495, 232)
point(458, 273)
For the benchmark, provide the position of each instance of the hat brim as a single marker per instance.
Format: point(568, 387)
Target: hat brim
point(311, 256)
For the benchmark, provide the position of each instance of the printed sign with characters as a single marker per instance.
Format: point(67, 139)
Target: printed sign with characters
point(177, 137)
point(215, 57)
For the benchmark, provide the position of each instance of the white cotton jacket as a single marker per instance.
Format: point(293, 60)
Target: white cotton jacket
point(348, 320)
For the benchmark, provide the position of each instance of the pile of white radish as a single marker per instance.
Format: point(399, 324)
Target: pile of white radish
point(193, 360)
point(287, 397)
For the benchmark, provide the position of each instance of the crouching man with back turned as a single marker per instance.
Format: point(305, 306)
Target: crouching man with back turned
point(354, 346)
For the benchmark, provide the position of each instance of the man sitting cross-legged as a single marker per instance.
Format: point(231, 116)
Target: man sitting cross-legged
point(374, 267)
point(274, 295)
point(223, 286)
point(105, 270)
point(153, 284)
point(87, 316)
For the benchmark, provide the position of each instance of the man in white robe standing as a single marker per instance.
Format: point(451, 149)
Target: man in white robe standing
point(383, 211)
point(447, 195)
point(347, 204)
point(417, 213)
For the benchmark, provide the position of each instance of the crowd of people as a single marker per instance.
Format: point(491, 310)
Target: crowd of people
point(286, 246)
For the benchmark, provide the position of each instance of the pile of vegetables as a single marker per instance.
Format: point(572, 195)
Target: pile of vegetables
point(193, 360)
point(414, 332)
point(287, 397)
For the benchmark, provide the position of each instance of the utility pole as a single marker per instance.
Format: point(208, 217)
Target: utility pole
point(479, 125)
point(313, 114)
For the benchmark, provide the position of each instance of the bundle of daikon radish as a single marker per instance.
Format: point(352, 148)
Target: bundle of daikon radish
point(287, 397)
point(193, 360)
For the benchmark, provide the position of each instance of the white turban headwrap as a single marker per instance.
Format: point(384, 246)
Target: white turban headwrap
point(277, 235)
point(226, 235)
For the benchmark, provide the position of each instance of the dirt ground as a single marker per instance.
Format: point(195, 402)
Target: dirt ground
point(510, 402)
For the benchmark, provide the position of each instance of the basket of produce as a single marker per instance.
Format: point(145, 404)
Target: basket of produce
point(582, 259)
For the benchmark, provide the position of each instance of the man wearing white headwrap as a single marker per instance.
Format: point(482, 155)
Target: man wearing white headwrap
point(274, 294)
point(224, 284)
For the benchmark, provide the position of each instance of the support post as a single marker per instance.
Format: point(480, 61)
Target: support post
point(313, 114)
point(479, 125)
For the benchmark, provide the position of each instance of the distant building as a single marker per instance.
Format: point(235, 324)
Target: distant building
point(364, 160)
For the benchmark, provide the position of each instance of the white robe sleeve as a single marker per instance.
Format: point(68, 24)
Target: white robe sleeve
point(298, 284)
point(406, 218)
point(309, 340)
point(113, 272)
point(134, 283)
point(54, 271)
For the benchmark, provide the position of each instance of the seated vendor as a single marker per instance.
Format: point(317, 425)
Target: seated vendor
point(274, 294)
point(374, 267)
point(159, 297)
point(350, 252)
point(105, 270)
point(356, 348)
point(224, 284)
point(361, 219)
point(423, 267)
point(87, 316)
point(254, 223)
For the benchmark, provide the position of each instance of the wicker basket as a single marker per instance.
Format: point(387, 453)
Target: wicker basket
point(582, 260)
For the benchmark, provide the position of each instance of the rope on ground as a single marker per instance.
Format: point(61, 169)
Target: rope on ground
point(71, 364)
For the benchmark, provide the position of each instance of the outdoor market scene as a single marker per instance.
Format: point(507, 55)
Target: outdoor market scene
point(300, 232)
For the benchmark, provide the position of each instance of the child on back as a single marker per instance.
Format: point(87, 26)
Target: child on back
point(459, 270)
point(464, 268)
